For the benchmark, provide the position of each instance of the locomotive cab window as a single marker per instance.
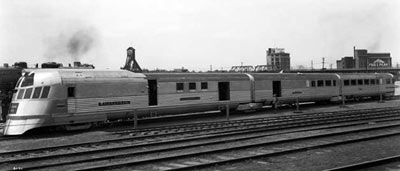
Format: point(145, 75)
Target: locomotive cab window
point(28, 80)
point(334, 82)
point(192, 86)
point(20, 93)
point(388, 81)
point(204, 85)
point(36, 92)
point(28, 93)
point(45, 92)
point(71, 91)
point(179, 87)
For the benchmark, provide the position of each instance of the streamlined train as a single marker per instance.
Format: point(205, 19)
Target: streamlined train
point(75, 97)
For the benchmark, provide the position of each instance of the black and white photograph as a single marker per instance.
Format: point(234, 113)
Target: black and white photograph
point(202, 85)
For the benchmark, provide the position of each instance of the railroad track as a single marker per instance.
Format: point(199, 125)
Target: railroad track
point(291, 119)
point(367, 164)
point(186, 158)
point(154, 139)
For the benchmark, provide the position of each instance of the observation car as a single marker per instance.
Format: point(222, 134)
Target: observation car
point(78, 98)
point(361, 85)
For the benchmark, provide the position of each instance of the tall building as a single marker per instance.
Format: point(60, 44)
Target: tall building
point(346, 62)
point(364, 60)
point(277, 59)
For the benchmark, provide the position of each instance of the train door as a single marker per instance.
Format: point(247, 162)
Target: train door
point(72, 101)
point(276, 88)
point(152, 92)
point(223, 91)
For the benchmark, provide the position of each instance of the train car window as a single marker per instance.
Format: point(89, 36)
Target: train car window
point(28, 80)
point(346, 82)
point(312, 83)
point(353, 82)
point(388, 81)
point(204, 85)
point(328, 82)
point(334, 82)
point(71, 91)
point(36, 93)
point(320, 83)
point(366, 82)
point(373, 82)
point(192, 86)
point(28, 93)
point(20, 93)
point(359, 82)
point(179, 87)
point(45, 92)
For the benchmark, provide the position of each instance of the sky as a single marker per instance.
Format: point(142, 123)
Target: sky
point(195, 34)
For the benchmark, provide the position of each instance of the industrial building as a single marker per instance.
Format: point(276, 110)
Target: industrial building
point(364, 60)
point(277, 59)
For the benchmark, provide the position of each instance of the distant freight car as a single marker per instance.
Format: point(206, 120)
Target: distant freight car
point(77, 97)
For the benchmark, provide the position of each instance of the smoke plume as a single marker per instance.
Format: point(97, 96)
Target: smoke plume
point(80, 43)
point(71, 46)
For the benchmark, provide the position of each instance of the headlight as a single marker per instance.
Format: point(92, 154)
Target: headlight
point(13, 108)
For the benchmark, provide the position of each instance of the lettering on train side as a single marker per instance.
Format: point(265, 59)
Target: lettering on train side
point(114, 103)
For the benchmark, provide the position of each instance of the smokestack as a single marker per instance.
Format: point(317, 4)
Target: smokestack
point(77, 64)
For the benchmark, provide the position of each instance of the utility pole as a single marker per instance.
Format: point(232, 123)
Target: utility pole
point(312, 67)
point(210, 68)
point(323, 63)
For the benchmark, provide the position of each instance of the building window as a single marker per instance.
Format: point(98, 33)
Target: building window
point(71, 91)
point(179, 87)
point(192, 86)
point(204, 85)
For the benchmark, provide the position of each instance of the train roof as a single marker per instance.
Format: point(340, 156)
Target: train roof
point(196, 76)
point(365, 75)
point(72, 76)
point(294, 76)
